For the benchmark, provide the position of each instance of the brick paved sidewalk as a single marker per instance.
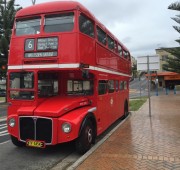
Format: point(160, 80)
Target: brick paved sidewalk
point(143, 143)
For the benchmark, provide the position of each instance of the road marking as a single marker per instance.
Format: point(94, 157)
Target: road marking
point(3, 124)
point(3, 119)
point(4, 131)
point(4, 142)
point(5, 134)
point(3, 127)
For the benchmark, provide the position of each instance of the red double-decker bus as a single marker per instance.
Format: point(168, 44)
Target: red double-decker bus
point(68, 76)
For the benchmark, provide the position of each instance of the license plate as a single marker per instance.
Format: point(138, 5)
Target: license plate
point(35, 143)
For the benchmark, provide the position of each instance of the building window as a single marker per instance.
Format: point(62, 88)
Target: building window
point(164, 57)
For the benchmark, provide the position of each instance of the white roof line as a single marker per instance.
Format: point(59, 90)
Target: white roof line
point(11, 67)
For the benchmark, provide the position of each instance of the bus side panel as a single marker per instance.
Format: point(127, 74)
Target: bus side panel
point(67, 51)
point(86, 49)
point(112, 60)
point(118, 105)
point(121, 65)
point(102, 55)
point(75, 118)
point(103, 108)
point(16, 53)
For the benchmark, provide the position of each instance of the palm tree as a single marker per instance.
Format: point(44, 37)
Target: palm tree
point(173, 64)
point(7, 14)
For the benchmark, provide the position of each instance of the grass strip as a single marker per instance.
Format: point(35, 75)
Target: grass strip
point(135, 104)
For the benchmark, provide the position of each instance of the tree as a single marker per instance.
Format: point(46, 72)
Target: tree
point(7, 14)
point(173, 64)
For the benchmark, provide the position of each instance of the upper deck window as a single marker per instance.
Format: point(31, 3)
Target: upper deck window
point(110, 43)
point(59, 23)
point(101, 35)
point(126, 54)
point(86, 26)
point(28, 26)
point(120, 50)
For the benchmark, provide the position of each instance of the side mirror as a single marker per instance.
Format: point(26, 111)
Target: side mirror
point(85, 74)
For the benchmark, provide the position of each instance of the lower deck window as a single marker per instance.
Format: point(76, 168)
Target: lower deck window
point(102, 87)
point(79, 87)
point(111, 86)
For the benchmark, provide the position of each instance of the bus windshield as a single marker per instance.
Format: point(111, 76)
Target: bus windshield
point(28, 26)
point(22, 85)
point(47, 84)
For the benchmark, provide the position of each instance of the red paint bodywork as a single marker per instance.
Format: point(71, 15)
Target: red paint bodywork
point(73, 48)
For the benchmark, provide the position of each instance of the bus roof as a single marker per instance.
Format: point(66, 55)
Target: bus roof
point(49, 7)
point(56, 6)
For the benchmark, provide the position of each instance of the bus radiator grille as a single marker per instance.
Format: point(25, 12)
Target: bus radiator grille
point(36, 128)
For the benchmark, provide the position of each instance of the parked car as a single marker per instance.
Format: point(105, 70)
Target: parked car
point(2, 93)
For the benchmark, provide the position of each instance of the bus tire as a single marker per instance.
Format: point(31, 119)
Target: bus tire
point(16, 142)
point(85, 139)
point(125, 110)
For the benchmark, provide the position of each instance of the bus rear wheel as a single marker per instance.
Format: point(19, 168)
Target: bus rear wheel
point(125, 110)
point(85, 140)
point(16, 142)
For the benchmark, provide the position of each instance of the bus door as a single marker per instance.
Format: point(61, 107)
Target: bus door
point(123, 89)
point(117, 100)
point(112, 109)
point(102, 105)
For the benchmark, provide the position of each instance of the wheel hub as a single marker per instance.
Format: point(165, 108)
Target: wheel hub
point(89, 135)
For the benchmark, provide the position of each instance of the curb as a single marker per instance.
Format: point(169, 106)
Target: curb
point(87, 154)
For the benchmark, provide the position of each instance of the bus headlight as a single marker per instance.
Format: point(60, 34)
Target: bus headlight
point(66, 127)
point(12, 122)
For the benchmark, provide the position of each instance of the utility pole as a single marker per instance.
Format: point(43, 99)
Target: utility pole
point(33, 2)
point(5, 4)
point(149, 86)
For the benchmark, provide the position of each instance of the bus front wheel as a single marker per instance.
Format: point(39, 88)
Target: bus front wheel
point(85, 140)
point(16, 142)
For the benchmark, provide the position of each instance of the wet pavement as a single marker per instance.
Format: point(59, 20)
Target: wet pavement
point(143, 142)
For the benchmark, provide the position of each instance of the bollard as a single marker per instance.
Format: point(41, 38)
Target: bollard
point(167, 91)
point(156, 90)
point(174, 90)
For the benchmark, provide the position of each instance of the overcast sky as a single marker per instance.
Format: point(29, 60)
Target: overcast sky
point(141, 25)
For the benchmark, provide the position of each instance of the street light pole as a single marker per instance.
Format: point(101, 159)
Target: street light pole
point(5, 5)
point(149, 86)
point(33, 2)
